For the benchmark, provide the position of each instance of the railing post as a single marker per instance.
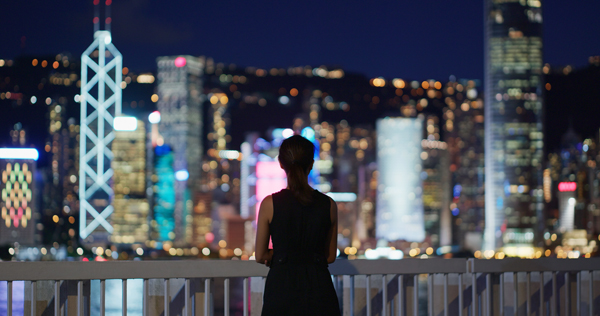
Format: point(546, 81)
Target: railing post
point(542, 284)
point(446, 294)
point(226, 296)
point(352, 295)
point(554, 300)
point(430, 293)
point(80, 298)
point(207, 299)
point(124, 285)
point(368, 287)
point(460, 295)
point(473, 293)
point(9, 286)
point(187, 301)
point(591, 293)
point(145, 302)
point(33, 298)
point(384, 295)
point(400, 295)
point(167, 299)
point(416, 295)
point(102, 297)
point(488, 294)
point(57, 297)
point(528, 291)
point(245, 309)
point(516, 292)
point(567, 293)
point(578, 292)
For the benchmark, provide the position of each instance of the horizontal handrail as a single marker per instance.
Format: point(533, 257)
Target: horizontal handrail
point(532, 265)
point(405, 266)
point(61, 270)
point(57, 270)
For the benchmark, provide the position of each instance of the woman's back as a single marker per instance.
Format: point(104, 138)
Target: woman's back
point(299, 229)
point(299, 282)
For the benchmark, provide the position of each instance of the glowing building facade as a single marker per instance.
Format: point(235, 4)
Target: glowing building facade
point(202, 234)
point(60, 189)
point(163, 223)
point(344, 169)
point(464, 135)
point(101, 73)
point(220, 183)
point(436, 191)
point(180, 104)
point(399, 193)
point(566, 205)
point(514, 139)
point(131, 209)
point(18, 213)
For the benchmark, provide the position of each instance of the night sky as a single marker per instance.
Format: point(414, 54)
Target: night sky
point(408, 39)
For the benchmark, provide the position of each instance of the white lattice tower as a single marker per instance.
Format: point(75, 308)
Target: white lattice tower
point(101, 76)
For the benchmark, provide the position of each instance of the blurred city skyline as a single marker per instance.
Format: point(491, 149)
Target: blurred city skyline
point(410, 40)
point(195, 154)
point(441, 130)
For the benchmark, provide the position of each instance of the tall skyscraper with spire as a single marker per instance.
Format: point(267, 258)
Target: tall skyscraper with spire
point(101, 76)
point(514, 138)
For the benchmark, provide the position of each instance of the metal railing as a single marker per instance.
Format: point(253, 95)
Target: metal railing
point(365, 287)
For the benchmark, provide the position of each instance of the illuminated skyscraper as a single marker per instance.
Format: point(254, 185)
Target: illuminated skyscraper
point(464, 135)
point(514, 138)
point(163, 223)
point(17, 195)
point(60, 191)
point(131, 209)
point(180, 104)
point(101, 74)
point(436, 191)
point(399, 194)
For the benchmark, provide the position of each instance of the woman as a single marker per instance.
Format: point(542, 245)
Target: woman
point(302, 224)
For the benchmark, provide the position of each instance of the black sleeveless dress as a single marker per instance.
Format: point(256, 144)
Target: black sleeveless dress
point(299, 282)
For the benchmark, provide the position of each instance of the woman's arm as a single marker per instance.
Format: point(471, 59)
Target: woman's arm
point(332, 232)
point(262, 253)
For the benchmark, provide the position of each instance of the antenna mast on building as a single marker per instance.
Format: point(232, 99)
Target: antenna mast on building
point(101, 76)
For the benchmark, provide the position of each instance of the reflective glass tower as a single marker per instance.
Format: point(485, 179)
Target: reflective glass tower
point(180, 104)
point(513, 123)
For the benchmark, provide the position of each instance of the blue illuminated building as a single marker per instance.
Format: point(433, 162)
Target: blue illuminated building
point(164, 207)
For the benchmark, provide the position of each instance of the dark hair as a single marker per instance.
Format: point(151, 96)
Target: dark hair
point(296, 155)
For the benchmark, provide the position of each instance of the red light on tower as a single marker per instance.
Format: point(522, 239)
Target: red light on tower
point(567, 186)
point(180, 62)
